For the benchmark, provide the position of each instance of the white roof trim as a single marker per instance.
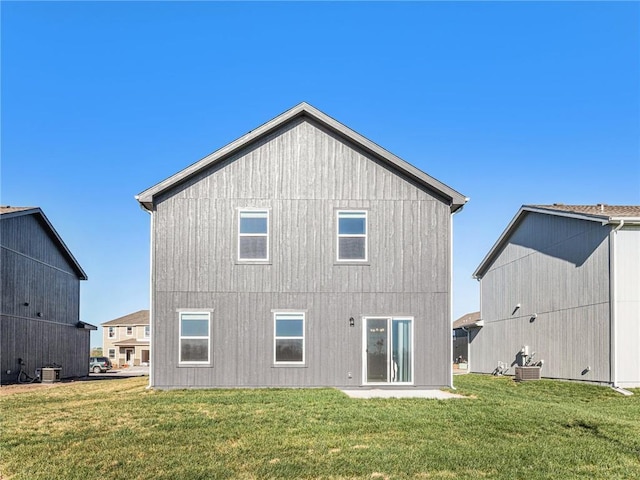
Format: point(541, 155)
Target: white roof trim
point(457, 200)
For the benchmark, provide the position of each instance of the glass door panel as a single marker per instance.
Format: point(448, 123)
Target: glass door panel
point(401, 351)
point(377, 350)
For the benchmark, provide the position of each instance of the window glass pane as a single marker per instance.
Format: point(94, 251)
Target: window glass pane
point(351, 248)
point(349, 225)
point(288, 350)
point(253, 247)
point(194, 350)
point(194, 327)
point(289, 328)
point(253, 224)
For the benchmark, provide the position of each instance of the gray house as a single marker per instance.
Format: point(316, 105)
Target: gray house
point(461, 329)
point(40, 299)
point(301, 254)
point(563, 281)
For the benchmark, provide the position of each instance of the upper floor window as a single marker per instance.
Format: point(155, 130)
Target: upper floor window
point(194, 337)
point(289, 337)
point(147, 331)
point(129, 331)
point(253, 235)
point(112, 332)
point(352, 236)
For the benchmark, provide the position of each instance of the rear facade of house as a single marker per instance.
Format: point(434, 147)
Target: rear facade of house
point(40, 299)
point(563, 282)
point(301, 254)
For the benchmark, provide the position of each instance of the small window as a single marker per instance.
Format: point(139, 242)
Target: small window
point(289, 338)
point(147, 331)
point(352, 236)
point(129, 331)
point(194, 337)
point(112, 332)
point(112, 353)
point(253, 235)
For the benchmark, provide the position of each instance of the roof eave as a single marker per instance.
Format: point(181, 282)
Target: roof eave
point(456, 199)
point(603, 219)
point(56, 238)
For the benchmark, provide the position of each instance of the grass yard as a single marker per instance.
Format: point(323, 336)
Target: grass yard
point(116, 429)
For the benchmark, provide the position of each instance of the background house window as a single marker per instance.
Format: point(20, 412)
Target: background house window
point(253, 235)
point(194, 337)
point(129, 331)
point(112, 332)
point(112, 353)
point(289, 338)
point(352, 235)
point(147, 331)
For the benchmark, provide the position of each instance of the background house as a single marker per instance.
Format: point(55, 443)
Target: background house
point(461, 328)
point(125, 340)
point(301, 254)
point(562, 280)
point(40, 298)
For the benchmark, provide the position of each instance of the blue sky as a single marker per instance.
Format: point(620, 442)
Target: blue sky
point(509, 103)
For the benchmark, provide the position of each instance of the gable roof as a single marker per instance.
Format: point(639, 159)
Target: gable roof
point(7, 211)
point(601, 213)
point(456, 200)
point(467, 320)
point(141, 317)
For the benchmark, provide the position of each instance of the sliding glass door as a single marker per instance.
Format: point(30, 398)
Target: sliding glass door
point(388, 350)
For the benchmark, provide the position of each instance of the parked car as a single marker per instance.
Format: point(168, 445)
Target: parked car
point(99, 364)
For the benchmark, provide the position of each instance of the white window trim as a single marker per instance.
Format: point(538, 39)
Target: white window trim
point(364, 213)
point(109, 353)
point(180, 337)
point(389, 347)
point(114, 330)
point(266, 235)
point(147, 331)
point(290, 313)
point(127, 331)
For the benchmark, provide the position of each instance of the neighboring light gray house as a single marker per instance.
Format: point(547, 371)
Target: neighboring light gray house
point(461, 329)
point(301, 254)
point(563, 280)
point(40, 298)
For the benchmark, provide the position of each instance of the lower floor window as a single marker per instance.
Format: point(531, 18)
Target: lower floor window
point(289, 337)
point(195, 338)
point(112, 353)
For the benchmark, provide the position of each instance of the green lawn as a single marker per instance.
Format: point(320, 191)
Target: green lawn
point(117, 429)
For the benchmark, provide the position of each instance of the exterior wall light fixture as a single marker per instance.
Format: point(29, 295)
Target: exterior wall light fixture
point(352, 322)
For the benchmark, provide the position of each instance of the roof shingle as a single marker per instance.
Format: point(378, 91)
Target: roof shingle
point(140, 317)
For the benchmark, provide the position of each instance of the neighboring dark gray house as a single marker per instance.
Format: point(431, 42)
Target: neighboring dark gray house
point(461, 329)
point(301, 254)
point(40, 299)
point(563, 281)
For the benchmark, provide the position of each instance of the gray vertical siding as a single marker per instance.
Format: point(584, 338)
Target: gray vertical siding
point(557, 268)
point(302, 174)
point(34, 271)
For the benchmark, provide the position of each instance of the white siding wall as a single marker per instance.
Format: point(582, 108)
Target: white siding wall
point(627, 305)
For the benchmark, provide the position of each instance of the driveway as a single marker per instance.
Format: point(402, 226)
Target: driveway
point(139, 371)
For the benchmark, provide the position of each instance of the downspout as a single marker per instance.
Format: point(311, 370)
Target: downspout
point(151, 340)
point(451, 295)
point(612, 304)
